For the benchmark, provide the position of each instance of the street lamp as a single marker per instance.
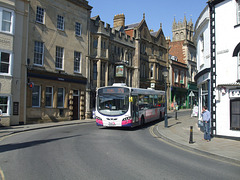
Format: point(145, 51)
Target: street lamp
point(165, 74)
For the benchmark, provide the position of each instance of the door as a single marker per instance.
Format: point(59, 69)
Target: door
point(75, 105)
point(135, 110)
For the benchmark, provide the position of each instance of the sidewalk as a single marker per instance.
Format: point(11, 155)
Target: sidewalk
point(178, 133)
point(5, 131)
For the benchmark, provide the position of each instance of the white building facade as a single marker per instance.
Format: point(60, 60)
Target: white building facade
point(217, 36)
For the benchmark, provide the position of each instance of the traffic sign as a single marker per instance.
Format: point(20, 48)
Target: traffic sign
point(191, 94)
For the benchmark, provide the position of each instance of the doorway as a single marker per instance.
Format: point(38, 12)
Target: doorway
point(75, 104)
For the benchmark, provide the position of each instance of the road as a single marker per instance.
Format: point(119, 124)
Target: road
point(89, 152)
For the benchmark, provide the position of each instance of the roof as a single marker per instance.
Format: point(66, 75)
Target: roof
point(131, 26)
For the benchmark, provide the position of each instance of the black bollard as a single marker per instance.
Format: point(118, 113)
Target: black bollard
point(191, 135)
point(175, 114)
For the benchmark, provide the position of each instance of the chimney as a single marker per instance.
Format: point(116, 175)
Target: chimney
point(119, 20)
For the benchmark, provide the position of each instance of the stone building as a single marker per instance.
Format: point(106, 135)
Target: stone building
point(57, 59)
point(151, 55)
point(129, 54)
point(13, 55)
point(111, 57)
point(182, 62)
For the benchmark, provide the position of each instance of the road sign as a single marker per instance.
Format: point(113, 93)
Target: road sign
point(191, 94)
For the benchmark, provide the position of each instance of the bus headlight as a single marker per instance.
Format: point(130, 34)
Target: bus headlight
point(127, 118)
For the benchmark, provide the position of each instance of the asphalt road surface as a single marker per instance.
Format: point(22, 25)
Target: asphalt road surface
point(88, 152)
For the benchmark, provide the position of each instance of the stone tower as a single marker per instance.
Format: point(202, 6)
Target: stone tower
point(119, 20)
point(182, 30)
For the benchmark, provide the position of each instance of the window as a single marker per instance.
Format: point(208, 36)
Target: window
point(49, 97)
point(95, 71)
point(151, 75)
point(235, 114)
point(95, 43)
point(36, 95)
point(176, 76)
point(182, 78)
point(38, 53)
point(40, 15)
point(6, 20)
point(77, 61)
point(238, 66)
point(5, 62)
point(4, 104)
point(60, 22)
point(60, 97)
point(59, 58)
point(78, 29)
point(238, 12)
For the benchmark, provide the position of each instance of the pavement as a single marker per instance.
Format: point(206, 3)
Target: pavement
point(177, 133)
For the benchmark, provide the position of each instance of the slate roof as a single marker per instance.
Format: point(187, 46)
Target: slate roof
point(131, 26)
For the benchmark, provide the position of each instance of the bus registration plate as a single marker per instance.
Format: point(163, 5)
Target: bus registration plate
point(112, 124)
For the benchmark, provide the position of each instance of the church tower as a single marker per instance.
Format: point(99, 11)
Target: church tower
point(182, 30)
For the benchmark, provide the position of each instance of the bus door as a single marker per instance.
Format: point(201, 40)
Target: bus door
point(135, 110)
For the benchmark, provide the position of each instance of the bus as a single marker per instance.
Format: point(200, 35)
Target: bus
point(122, 106)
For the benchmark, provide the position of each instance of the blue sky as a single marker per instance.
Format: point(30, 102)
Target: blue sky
point(156, 11)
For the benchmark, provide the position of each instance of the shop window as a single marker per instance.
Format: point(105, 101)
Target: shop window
point(49, 96)
point(60, 97)
point(235, 114)
point(36, 95)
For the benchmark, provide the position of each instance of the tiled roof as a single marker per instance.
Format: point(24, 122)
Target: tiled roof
point(131, 26)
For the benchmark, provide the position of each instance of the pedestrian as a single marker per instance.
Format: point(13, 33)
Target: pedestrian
point(206, 116)
point(0, 113)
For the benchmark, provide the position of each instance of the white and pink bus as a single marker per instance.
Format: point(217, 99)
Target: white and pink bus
point(122, 106)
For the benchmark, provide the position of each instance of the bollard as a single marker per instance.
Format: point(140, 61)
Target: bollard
point(175, 114)
point(191, 135)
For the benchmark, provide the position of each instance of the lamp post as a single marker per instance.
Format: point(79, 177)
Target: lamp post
point(165, 74)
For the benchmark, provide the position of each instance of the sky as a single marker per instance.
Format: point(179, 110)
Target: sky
point(156, 11)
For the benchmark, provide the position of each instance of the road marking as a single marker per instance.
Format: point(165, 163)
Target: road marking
point(2, 175)
point(188, 150)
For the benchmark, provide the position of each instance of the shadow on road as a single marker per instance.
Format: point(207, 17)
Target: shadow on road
point(11, 147)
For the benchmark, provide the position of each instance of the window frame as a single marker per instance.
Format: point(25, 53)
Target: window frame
point(182, 77)
point(63, 97)
point(39, 95)
point(59, 60)
point(40, 15)
point(175, 76)
point(238, 11)
point(60, 22)
point(51, 98)
point(77, 67)
point(12, 18)
point(9, 63)
point(7, 113)
point(231, 113)
point(78, 29)
point(38, 53)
